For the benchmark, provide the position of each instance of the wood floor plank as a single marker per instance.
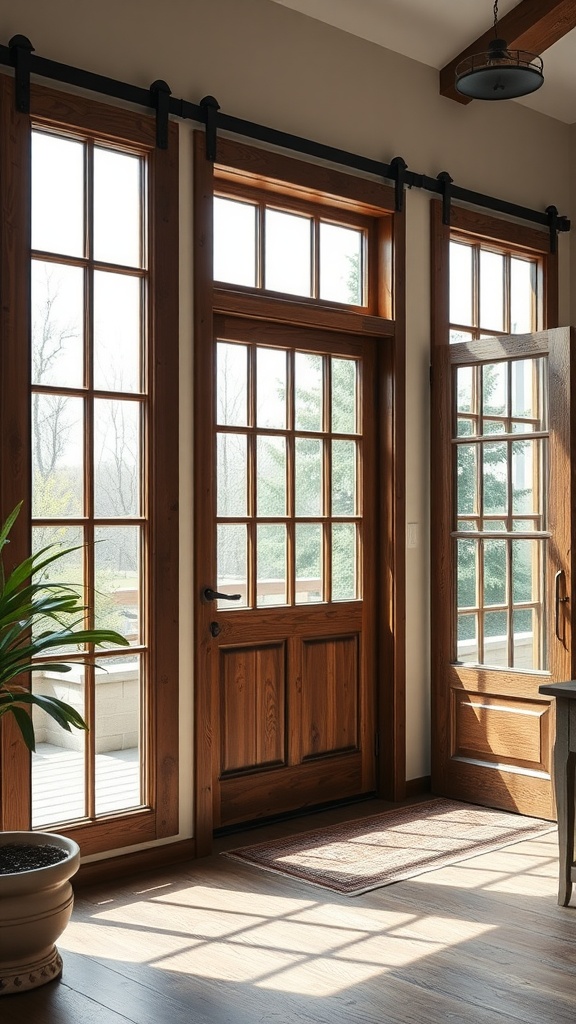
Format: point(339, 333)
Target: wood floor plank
point(218, 942)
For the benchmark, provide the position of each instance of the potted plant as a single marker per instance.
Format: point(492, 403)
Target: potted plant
point(37, 617)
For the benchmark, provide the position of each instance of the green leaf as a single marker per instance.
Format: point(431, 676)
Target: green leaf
point(24, 722)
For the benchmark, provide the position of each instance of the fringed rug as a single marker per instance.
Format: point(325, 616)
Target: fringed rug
point(368, 853)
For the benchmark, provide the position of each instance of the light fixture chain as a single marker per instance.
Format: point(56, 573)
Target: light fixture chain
point(495, 19)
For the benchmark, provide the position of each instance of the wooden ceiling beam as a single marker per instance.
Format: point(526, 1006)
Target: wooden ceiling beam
point(533, 25)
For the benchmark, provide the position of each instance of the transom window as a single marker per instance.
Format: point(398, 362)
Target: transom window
point(260, 244)
point(492, 291)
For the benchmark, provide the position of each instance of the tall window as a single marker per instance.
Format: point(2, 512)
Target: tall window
point(500, 451)
point(95, 404)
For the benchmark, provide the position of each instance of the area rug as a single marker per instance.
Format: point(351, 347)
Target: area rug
point(372, 852)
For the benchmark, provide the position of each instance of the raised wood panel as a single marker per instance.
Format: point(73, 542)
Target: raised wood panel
point(494, 786)
point(278, 791)
point(330, 695)
point(501, 730)
point(252, 701)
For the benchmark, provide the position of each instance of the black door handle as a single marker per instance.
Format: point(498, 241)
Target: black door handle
point(558, 601)
point(215, 595)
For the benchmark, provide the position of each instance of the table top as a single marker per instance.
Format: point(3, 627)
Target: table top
point(567, 689)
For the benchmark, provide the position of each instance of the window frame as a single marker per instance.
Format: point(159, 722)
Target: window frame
point(71, 114)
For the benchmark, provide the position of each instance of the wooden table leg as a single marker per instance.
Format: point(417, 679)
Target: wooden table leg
point(564, 768)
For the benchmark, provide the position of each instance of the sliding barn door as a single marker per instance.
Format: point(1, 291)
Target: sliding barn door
point(502, 571)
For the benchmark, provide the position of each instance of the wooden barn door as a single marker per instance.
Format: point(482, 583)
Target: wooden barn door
point(502, 595)
point(291, 644)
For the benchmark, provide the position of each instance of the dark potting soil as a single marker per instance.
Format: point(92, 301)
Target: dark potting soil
point(16, 857)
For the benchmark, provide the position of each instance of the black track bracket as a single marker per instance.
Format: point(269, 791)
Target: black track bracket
point(160, 99)
point(446, 183)
point(210, 107)
point(20, 49)
point(399, 166)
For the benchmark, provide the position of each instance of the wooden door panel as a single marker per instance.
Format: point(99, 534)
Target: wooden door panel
point(501, 730)
point(330, 695)
point(252, 706)
point(267, 793)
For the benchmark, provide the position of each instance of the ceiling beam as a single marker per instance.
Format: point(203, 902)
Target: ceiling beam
point(533, 25)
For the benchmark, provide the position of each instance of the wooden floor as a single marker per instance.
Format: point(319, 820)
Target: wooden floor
point(221, 943)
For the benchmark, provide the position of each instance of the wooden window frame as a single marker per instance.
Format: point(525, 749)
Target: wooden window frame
point(241, 167)
point(472, 226)
point(68, 113)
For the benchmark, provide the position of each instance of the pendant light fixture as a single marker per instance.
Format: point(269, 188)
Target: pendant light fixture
point(500, 73)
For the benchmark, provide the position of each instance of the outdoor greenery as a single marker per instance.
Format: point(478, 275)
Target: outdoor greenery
point(38, 617)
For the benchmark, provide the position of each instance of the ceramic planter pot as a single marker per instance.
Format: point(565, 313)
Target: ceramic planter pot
point(35, 907)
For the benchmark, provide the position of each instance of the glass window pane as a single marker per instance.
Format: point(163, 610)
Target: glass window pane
point(496, 639)
point(117, 575)
point(468, 639)
point(232, 478)
point(117, 476)
point(271, 476)
point(527, 571)
point(271, 561)
point(528, 642)
point(491, 290)
point(309, 560)
point(467, 479)
point(494, 426)
point(461, 285)
point(465, 427)
point(117, 332)
point(117, 207)
point(527, 459)
point(467, 573)
point(495, 588)
point(58, 776)
point(288, 245)
point(495, 478)
point(344, 463)
point(344, 562)
point(117, 733)
point(57, 324)
point(57, 456)
point(232, 558)
point(234, 242)
point(526, 391)
point(341, 268)
point(308, 391)
point(456, 337)
point(57, 194)
point(522, 296)
point(526, 525)
point(232, 384)
point(68, 570)
point(271, 387)
point(495, 389)
point(344, 403)
point(465, 376)
point(309, 475)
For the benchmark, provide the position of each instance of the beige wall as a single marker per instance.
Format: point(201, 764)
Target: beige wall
point(272, 65)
